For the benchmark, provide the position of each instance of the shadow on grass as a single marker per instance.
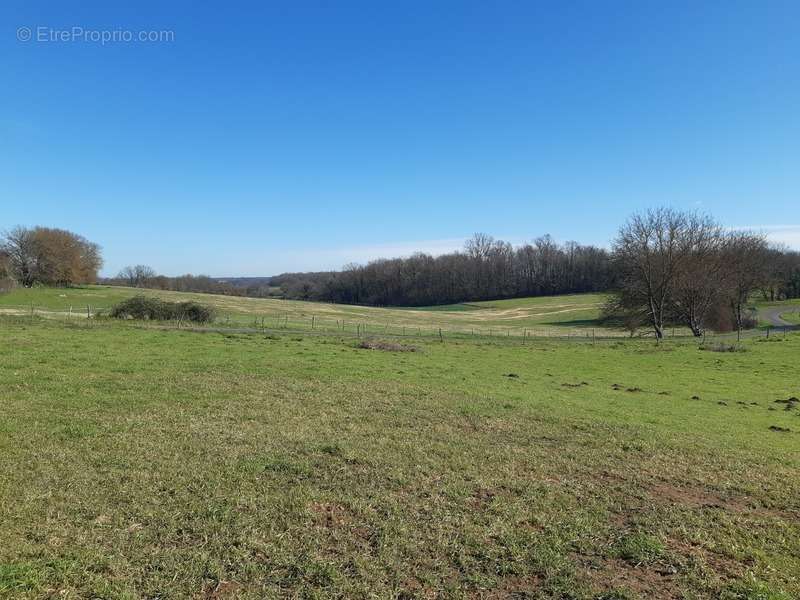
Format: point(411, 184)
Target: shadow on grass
point(575, 323)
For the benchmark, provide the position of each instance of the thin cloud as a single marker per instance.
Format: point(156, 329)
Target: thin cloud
point(780, 234)
point(399, 249)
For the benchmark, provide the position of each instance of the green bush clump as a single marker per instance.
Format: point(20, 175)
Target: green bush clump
point(153, 309)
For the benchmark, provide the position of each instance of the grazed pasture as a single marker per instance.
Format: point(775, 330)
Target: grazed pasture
point(143, 463)
point(539, 315)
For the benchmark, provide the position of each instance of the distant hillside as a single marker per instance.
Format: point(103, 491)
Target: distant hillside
point(245, 281)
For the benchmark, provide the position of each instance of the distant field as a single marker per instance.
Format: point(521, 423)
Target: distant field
point(568, 315)
point(561, 313)
point(144, 463)
point(792, 317)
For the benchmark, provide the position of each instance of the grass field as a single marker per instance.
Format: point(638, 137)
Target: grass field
point(792, 317)
point(144, 463)
point(538, 315)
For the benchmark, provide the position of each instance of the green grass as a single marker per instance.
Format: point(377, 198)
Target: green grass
point(541, 316)
point(791, 317)
point(144, 463)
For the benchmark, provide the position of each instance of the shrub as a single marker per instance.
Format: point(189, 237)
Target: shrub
point(386, 346)
point(720, 347)
point(195, 312)
point(154, 309)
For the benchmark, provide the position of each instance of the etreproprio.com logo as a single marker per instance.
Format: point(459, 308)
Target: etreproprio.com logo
point(42, 34)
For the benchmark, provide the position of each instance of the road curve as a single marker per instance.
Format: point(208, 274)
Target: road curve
point(772, 315)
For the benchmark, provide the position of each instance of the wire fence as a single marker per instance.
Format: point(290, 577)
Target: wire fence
point(357, 328)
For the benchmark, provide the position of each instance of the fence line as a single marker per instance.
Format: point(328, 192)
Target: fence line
point(358, 328)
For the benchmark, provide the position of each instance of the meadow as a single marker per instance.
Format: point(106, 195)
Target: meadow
point(138, 462)
point(556, 315)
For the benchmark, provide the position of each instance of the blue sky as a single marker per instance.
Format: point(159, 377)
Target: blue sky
point(268, 137)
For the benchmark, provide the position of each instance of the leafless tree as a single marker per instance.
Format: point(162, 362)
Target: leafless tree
point(6, 282)
point(138, 275)
point(745, 256)
point(649, 252)
point(702, 274)
point(19, 246)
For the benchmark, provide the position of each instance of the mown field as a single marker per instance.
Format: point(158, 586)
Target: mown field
point(540, 316)
point(146, 463)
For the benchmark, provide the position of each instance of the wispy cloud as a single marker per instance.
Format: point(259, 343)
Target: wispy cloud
point(333, 259)
point(398, 249)
point(336, 258)
point(780, 234)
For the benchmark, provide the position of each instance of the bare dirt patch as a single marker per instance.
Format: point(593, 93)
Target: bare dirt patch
point(330, 515)
point(779, 429)
point(386, 346)
point(605, 574)
point(222, 589)
point(790, 403)
point(512, 587)
point(695, 497)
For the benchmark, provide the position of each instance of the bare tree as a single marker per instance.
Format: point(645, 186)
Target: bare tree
point(649, 252)
point(19, 246)
point(479, 246)
point(138, 275)
point(745, 256)
point(6, 282)
point(702, 274)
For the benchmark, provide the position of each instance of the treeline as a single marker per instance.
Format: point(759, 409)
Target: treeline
point(486, 269)
point(47, 256)
point(665, 267)
point(490, 269)
point(143, 276)
point(678, 268)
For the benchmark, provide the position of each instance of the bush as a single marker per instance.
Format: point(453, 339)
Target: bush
point(154, 309)
point(720, 347)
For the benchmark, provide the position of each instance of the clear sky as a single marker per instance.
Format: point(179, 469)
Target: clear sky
point(261, 137)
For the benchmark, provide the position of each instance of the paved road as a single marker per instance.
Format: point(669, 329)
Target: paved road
point(772, 314)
